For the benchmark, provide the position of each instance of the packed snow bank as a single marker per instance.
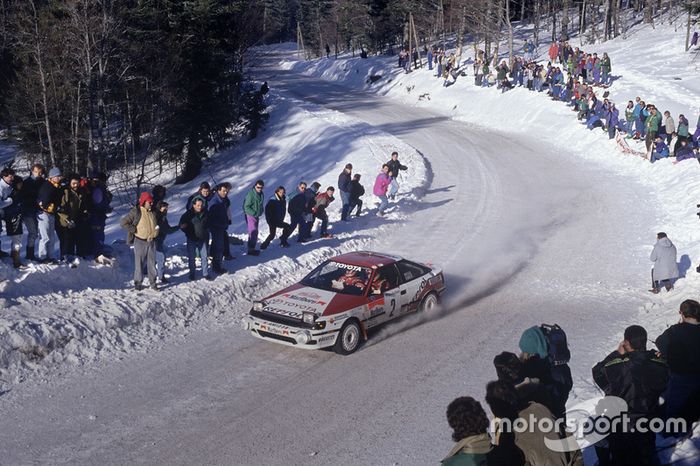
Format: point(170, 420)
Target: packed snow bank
point(54, 314)
point(666, 76)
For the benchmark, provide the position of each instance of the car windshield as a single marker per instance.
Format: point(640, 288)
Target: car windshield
point(339, 278)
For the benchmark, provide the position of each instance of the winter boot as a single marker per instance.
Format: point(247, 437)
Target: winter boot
point(264, 245)
point(138, 286)
point(3, 253)
point(15, 260)
point(30, 253)
point(253, 252)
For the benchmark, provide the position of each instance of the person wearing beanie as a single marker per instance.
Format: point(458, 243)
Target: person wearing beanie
point(48, 201)
point(345, 188)
point(142, 228)
point(11, 211)
point(556, 380)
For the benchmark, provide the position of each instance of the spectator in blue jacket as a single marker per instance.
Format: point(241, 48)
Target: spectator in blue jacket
point(219, 220)
point(660, 150)
point(275, 211)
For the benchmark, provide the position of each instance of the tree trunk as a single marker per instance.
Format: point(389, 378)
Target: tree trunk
point(536, 28)
point(565, 19)
point(44, 87)
point(510, 32)
point(687, 31)
point(649, 12)
point(522, 11)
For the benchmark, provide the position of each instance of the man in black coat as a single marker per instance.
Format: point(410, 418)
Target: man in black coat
point(394, 167)
point(310, 203)
point(195, 224)
point(639, 377)
point(345, 188)
point(30, 191)
point(356, 192)
point(680, 346)
point(275, 211)
point(296, 208)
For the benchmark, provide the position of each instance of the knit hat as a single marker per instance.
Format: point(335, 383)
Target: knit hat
point(54, 172)
point(533, 342)
point(145, 197)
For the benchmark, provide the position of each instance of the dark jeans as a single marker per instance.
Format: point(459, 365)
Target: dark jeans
point(296, 221)
point(97, 235)
point(681, 388)
point(218, 238)
point(194, 246)
point(353, 203)
point(286, 231)
point(323, 216)
point(67, 240)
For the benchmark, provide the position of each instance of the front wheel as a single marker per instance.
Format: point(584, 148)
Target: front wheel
point(429, 303)
point(348, 339)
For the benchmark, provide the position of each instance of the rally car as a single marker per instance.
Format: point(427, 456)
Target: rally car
point(341, 299)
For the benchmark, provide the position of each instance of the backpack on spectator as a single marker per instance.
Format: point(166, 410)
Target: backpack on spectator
point(557, 346)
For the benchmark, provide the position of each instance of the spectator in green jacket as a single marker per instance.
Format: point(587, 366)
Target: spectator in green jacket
point(652, 127)
point(253, 210)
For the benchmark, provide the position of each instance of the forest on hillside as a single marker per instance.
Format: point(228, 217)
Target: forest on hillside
point(96, 85)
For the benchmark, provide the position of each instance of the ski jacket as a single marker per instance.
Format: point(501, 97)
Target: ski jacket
point(680, 346)
point(661, 148)
point(638, 377)
point(653, 122)
point(555, 380)
point(72, 209)
point(101, 198)
point(381, 184)
point(296, 204)
point(395, 166)
point(683, 127)
point(139, 226)
point(164, 229)
point(253, 203)
point(344, 181)
point(30, 191)
point(357, 191)
point(275, 210)
point(684, 153)
point(196, 225)
point(670, 125)
point(218, 212)
point(605, 65)
point(309, 200)
point(49, 197)
point(321, 202)
point(664, 258)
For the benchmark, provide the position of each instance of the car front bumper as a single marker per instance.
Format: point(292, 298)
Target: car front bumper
point(289, 335)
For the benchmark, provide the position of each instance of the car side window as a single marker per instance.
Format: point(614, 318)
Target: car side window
point(385, 279)
point(410, 271)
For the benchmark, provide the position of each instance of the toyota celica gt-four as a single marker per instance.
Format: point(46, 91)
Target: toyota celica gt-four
point(341, 299)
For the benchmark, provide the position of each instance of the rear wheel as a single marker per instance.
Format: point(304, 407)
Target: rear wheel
point(348, 339)
point(429, 303)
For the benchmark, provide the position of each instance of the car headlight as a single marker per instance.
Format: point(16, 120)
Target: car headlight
point(309, 318)
point(303, 337)
point(258, 305)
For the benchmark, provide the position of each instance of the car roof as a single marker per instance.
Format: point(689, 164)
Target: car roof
point(366, 258)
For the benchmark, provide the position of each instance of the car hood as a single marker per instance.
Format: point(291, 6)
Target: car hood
point(297, 299)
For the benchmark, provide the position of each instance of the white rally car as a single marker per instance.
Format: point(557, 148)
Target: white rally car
point(342, 298)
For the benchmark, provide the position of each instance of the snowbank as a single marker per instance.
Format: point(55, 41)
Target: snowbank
point(53, 314)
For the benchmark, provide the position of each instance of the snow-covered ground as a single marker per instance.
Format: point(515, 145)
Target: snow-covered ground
point(54, 315)
point(534, 219)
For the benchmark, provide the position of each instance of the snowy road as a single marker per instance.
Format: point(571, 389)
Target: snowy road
point(525, 236)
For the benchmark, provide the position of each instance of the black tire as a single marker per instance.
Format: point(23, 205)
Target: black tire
point(349, 338)
point(430, 302)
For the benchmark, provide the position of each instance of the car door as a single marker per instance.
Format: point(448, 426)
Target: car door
point(414, 279)
point(394, 296)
